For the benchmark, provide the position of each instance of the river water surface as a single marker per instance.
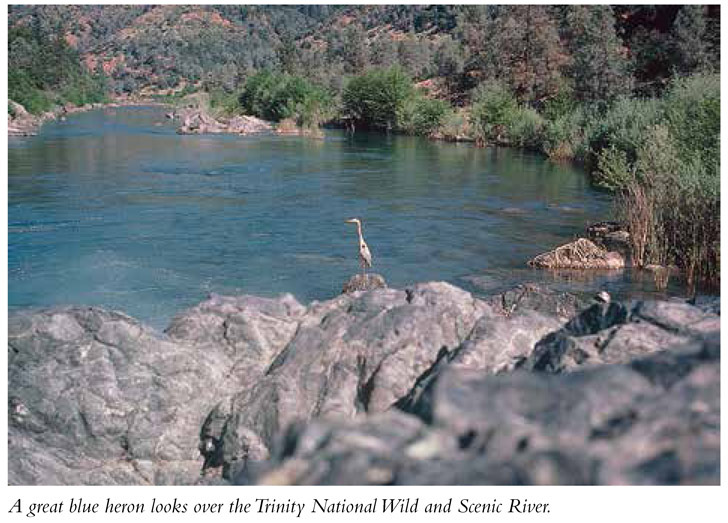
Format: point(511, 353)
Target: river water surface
point(113, 208)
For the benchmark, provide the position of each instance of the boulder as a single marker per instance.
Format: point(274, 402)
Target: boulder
point(358, 353)
point(618, 332)
point(423, 385)
point(97, 398)
point(248, 125)
point(614, 424)
point(532, 296)
point(579, 254)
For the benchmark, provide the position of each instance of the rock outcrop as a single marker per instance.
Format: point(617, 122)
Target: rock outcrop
point(652, 420)
point(424, 385)
point(196, 121)
point(579, 254)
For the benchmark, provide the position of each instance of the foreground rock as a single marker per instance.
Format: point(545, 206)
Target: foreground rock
point(654, 420)
point(423, 385)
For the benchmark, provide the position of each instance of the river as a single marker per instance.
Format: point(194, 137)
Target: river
point(113, 208)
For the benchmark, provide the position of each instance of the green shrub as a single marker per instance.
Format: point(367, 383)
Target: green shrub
point(276, 97)
point(421, 116)
point(493, 108)
point(692, 110)
point(622, 126)
point(454, 126)
point(525, 128)
point(563, 137)
point(374, 99)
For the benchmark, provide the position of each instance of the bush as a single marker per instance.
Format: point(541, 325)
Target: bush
point(525, 128)
point(454, 126)
point(670, 203)
point(563, 137)
point(493, 108)
point(276, 97)
point(421, 116)
point(374, 99)
point(623, 126)
point(692, 110)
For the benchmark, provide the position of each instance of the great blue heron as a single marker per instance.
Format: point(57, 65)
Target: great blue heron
point(365, 256)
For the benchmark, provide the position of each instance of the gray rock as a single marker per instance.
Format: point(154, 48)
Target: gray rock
point(612, 424)
point(271, 390)
point(95, 397)
point(364, 282)
point(354, 354)
point(618, 333)
point(532, 296)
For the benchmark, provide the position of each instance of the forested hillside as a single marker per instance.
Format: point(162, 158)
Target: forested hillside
point(540, 51)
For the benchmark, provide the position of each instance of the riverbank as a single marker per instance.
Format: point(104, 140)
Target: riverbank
point(23, 123)
point(425, 385)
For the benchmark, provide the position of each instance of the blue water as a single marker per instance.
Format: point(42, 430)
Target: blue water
point(113, 208)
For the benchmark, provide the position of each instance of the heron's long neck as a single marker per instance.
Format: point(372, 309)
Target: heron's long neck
point(358, 230)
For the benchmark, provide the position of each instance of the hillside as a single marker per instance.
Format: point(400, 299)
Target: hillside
point(161, 48)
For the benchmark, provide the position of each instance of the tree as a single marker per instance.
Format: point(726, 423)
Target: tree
point(449, 59)
point(384, 51)
point(689, 40)
point(599, 68)
point(524, 50)
point(374, 98)
point(415, 57)
point(354, 50)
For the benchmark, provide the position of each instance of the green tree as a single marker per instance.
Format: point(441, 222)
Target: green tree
point(384, 52)
point(494, 106)
point(525, 51)
point(599, 69)
point(373, 99)
point(449, 60)
point(690, 43)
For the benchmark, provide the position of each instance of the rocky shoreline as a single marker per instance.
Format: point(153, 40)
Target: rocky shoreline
point(23, 123)
point(426, 385)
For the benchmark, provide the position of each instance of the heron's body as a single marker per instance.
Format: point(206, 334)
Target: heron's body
point(365, 255)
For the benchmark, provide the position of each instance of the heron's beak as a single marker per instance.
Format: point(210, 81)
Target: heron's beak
point(350, 221)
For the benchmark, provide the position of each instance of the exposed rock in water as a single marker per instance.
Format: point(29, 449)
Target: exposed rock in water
point(579, 254)
point(270, 390)
point(612, 236)
point(20, 121)
point(364, 282)
point(197, 121)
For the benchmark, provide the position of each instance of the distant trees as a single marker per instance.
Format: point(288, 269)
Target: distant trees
point(599, 68)
point(526, 53)
point(691, 45)
point(537, 51)
point(44, 70)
